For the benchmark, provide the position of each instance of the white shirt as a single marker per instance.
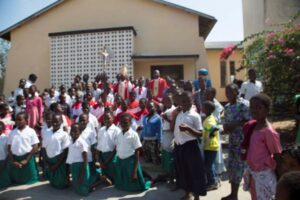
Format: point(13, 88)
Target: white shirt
point(110, 98)
point(143, 92)
point(44, 133)
point(3, 146)
point(28, 84)
point(89, 136)
point(190, 118)
point(97, 93)
point(168, 113)
point(250, 89)
point(75, 151)
point(50, 100)
point(17, 92)
point(21, 141)
point(55, 143)
point(68, 99)
point(93, 122)
point(18, 109)
point(127, 143)
point(218, 109)
point(106, 138)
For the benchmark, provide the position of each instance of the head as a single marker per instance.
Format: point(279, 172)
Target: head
point(132, 96)
point(22, 83)
point(78, 96)
point(2, 98)
point(202, 83)
point(32, 78)
point(108, 118)
point(156, 74)
point(210, 93)
point(62, 89)
point(141, 82)
point(202, 73)
point(167, 101)
point(142, 103)
point(252, 74)
point(186, 101)
point(26, 92)
point(51, 92)
point(1, 127)
point(21, 120)
point(4, 109)
point(231, 92)
point(288, 187)
point(32, 90)
point(48, 118)
point(151, 108)
point(125, 121)
point(208, 107)
point(188, 86)
point(56, 121)
point(75, 131)
point(85, 107)
point(56, 108)
point(124, 106)
point(77, 79)
point(177, 98)
point(260, 106)
point(83, 121)
point(62, 98)
point(89, 96)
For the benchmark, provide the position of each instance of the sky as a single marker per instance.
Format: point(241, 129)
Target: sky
point(228, 13)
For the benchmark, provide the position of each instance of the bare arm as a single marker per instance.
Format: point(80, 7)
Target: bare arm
point(83, 169)
point(136, 160)
point(33, 151)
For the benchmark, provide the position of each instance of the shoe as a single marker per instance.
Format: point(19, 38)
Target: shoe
point(212, 187)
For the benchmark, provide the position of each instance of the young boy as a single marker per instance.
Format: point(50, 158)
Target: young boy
point(56, 144)
point(19, 106)
point(22, 145)
point(129, 176)
point(4, 166)
point(211, 144)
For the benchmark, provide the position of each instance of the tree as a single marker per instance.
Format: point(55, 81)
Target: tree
point(4, 48)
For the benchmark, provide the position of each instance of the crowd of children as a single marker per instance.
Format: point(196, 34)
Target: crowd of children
point(96, 132)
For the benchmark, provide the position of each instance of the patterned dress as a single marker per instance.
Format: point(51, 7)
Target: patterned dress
point(234, 113)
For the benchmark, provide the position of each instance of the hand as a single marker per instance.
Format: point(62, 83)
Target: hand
point(183, 127)
point(17, 165)
point(24, 162)
point(134, 177)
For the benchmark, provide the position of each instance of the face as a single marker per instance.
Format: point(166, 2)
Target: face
point(32, 90)
point(62, 89)
point(21, 121)
point(83, 121)
point(252, 75)
point(167, 102)
point(89, 96)
point(22, 83)
point(231, 94)
point(209, 95)
point(186, 103)
point(75, 132)
point(48, 120)
point(140, 82)
point(86, 108)
point(156, 74)
point(258, 110)
point(108, 119)
point(56, 122)
point(125, 123)
point(63, 99)
point(142, 104)
point(52, 92)
point(123, 106)
point(59, 109)
point(104, 97)
point(150, 107)
point(132, 97)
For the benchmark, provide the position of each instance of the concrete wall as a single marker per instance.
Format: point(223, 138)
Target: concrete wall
point(160, 30)
point(260, 15)
point(214, 70)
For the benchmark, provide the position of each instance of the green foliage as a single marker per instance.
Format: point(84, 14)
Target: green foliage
point(4, 47)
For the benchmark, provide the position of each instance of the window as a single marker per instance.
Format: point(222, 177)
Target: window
point(232, 68)
point(223, 73)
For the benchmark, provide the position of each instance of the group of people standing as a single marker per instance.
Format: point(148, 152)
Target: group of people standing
point(96, 132)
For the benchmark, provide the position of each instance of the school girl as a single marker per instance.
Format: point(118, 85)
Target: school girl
point(22, 145)
point(4, 166)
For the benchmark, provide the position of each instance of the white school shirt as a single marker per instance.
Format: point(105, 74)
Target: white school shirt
point(56, 142)
point(18, 109)
point(168, 112)
point(3, 146)
point(110, 98)
point(21, 141)
point(127, 143)
point(18, 91)
point(50, 100)
point(44, 133)
point(190, 118)
point(75, 151)
point(93, 122)
point(97, 93)
point(143, 92)
point(89, 136)
point(250, 89)
point(106, 138)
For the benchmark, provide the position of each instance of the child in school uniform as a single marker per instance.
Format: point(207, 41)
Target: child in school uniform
point(82, 180)
point(129, 176)
point(76, 109)
point(211, 144)
point(56, 143)
point(106, 148)
point(4, 166)
point(19, 106)
point(6, 118)
point(22, 145)
point(190, 169)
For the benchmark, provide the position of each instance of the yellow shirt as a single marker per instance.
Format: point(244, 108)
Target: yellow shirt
point(210, 143)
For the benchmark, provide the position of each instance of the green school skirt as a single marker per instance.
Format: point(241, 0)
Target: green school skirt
point(124, 168)
point(58, 178)
point(167, 161)
point(89, 178)
point(28, 174)
point(110, 171)
point(4, 174)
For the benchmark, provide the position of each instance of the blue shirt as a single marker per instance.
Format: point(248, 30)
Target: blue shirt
point(196, 84)
point(152, 128)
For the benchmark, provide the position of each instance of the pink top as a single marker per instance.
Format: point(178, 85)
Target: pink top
point(264, 143)
point(8, 123)
point(34, 108)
